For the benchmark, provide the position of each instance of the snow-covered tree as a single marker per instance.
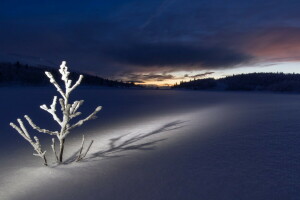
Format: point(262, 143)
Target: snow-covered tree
point(69, 111)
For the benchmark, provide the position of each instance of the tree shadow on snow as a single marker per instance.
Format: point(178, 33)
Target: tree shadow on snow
point(123, 143)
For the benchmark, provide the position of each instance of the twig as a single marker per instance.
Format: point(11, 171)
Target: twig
point(76, 84)
point(53, 149)
point(91, 116)
point(52, 110)
point(53, 81)
point(34, 126)
point(80, 155)
point(36, 145)
point(80, 151)
point(88, 149)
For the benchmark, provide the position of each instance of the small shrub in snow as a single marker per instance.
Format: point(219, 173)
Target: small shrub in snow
point(69, 111)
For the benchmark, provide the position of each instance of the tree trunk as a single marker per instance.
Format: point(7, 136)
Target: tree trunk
point(61, 149)
point(45, 161)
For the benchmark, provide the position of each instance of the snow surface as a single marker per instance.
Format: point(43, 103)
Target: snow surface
point(152, 144)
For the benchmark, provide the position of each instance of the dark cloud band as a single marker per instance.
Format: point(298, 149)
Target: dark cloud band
point(175, 55)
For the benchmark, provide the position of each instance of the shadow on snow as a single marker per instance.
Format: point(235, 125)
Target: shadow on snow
point(118, 145)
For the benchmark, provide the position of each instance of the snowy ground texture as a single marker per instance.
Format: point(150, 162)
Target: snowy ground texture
point(152, 145)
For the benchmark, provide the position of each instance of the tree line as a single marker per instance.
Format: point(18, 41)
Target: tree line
point(279, 82)
point(23, 74)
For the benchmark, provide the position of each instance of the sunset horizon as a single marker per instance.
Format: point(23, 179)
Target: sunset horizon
point(154, 42)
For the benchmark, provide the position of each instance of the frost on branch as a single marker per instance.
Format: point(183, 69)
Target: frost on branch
point(36, 145)
point(69, 112)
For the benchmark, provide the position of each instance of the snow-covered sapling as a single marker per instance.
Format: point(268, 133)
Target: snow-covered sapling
point(69, 111)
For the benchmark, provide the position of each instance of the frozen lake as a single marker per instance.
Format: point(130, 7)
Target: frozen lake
point(154, 144)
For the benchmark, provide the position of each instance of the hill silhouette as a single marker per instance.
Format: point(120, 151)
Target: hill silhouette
point(23, 74)
point(278, 82)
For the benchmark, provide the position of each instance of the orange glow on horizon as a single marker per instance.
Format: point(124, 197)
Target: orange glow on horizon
point(284, 67)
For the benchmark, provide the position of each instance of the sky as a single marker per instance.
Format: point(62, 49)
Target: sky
point(154, 41)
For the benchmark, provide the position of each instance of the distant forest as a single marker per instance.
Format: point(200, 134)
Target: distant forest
point(278, 82)
point(21, 74)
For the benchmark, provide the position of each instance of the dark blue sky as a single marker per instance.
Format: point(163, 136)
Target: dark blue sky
point(144, 39)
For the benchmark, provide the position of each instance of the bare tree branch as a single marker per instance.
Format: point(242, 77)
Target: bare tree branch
point(77, 83)
point(52, 110)
point(62, 104)
point(36, 145)
point(53, 81)
point(91, 116)
point(53, 149)
point(87, 150)
point(75, 106)
point(24, 130)
point(80, 155)
point(34, 126)
point(80, 151)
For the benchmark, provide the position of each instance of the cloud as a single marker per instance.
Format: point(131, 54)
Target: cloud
point(141, 78)
point(112, 37)
point(273, 44)
point(156, 77)
point(175, 56)
point(135, 81)
point(198, 75)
